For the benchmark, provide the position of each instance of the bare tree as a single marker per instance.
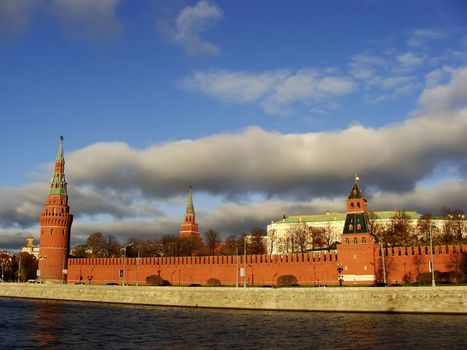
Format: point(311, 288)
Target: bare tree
point(256, 242)
point(424, 225)
point(318, 237)
point(398, 231)
point(300, 237)
point(212, 239)
point(376, 228)
point(453, 226)
point(169, 245)
point(230, 246)
point(272, 238)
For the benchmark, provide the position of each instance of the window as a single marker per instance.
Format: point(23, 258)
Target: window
point(347, 241)
point(363, 240)
point(355, 240)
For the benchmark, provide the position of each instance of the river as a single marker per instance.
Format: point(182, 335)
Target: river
point(74, 325)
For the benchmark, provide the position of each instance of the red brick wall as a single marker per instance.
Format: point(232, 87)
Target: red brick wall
point(411, 261)
point(309, 269)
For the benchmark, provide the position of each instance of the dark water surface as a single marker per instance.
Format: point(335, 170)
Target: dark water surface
point(74, 325)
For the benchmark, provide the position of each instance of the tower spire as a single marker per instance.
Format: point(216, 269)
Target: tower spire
point(190, 227)
point(58, 185)
point(189, 204)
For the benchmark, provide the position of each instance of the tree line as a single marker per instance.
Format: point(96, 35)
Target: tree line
point(21, 267)
point(99, 245)
point(398, 231)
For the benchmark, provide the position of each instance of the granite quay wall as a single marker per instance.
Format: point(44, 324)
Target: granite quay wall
point(451, 299)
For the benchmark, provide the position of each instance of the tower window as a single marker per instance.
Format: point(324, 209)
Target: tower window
point(358, 204)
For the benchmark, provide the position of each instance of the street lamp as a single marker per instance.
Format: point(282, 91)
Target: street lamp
point(124, 264)
point(433, 283)
point(3, 268)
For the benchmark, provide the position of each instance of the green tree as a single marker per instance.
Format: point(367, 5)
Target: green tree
point(28, 266)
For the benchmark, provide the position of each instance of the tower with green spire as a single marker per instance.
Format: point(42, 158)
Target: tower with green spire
point(357, 248)
point(190, 227)
point(55, 226)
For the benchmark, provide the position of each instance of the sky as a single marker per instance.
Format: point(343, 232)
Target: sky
point(264, 107)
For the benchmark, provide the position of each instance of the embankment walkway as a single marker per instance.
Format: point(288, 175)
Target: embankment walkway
point(449, 299)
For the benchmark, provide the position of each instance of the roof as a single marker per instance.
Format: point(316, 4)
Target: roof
point(356, 192)
point(329, 217)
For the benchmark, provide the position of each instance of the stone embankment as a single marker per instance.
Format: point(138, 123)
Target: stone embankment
point(452, 300)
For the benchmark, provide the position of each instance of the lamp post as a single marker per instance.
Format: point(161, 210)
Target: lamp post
point(236, 269)
point(244, 263)
point(124, 263)
point(433, 283)
point(3, 268)
point(19, 269)
point(138, 263)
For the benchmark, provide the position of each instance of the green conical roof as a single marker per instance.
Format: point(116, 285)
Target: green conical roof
point(189, 205)
point(60, 150)
point(356, 192)
point(58, 182)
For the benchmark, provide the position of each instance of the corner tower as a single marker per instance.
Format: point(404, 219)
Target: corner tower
point(55, 226)
point(189, 227)
point(357, 248)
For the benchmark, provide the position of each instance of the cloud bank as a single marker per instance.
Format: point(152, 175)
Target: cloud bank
point(296, 173)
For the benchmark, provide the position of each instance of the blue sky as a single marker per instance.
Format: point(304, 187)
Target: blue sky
point(253, 103)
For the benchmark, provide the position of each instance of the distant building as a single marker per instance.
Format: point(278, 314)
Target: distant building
point(190, 227)
point(30, 247)
point(280, 232)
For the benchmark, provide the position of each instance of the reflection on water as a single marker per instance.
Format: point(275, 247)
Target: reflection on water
point(46, 323)
point(51, 324)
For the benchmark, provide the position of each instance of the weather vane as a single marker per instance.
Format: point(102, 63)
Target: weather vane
point(61, 138)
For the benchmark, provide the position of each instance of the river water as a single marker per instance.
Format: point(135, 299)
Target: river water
point(73, 325)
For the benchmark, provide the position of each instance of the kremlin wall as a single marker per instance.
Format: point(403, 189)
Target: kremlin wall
point(357, 260)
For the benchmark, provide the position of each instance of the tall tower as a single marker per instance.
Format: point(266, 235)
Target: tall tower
point(55, 222)
point(190, 227)
point(357, 249)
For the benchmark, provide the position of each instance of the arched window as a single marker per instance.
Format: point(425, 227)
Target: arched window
point(363, 240)
point(347, 241)
point(355, 240)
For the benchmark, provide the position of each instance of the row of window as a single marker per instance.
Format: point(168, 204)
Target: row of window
point(355, 240)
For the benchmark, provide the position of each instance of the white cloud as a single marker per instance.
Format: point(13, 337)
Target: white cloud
point(190, 24)
point(276, 91)
point(15, 16)
point(447, 96)
point(420, 37)
point(409, 59)
point(236, 87)
point(88, 18)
